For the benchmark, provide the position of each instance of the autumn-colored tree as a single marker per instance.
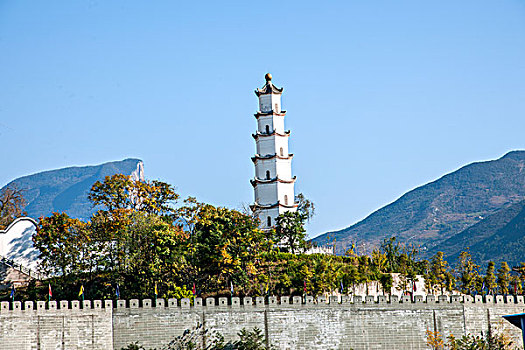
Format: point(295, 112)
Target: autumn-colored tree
point(11, 203)
point(123, 192)
point(62, 243)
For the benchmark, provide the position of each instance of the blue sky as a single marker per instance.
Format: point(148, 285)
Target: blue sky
point(382, 96)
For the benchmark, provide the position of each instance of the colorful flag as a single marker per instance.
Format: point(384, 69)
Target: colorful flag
point(304, 289)
point(194, 290)
point(156, 289)
point(81, 292)
point(231, 287)
point(414, 287)
point(50, 292)
point(342, 287)
point(515, 288)
point(12, 295)
point(483, 286)
point(267, 288)
point(117, 291)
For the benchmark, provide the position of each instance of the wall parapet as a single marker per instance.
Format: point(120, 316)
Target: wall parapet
point(217, 303)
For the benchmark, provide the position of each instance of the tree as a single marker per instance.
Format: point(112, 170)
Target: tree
point(305, 206)
point(61, 241)
point(490, 277)
point(439, 271)
point(11, 203)
point(468, 272)
point(227, 244)
point(290, 232)
point(122, 192)
point(504, 278)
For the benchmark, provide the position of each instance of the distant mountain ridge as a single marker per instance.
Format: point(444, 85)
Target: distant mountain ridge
point(433, 213)
point(66, 189)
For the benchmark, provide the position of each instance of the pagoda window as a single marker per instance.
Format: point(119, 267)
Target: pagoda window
point(267, 129)
point(277, 107)
point(267, 174)
point(285, 198)
point(269, 221)
point(282, 152)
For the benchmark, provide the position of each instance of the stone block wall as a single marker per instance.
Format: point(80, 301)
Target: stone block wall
point(289, 323)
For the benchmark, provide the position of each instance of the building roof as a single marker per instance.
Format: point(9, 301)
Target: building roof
point(269, 88)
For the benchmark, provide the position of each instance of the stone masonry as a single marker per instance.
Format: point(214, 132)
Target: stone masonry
point(288, 322)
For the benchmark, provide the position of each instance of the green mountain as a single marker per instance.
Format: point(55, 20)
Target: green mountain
point(433, 213)
point(65, 190)
point(499, 237)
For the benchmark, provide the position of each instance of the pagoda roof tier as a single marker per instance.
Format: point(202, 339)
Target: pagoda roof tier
point(257, 181)
point(270, 156)
point(260, 134)
point(265, 114)
point(257, 206)
point(269, 88)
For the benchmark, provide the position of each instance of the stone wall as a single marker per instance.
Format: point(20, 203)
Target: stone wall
point(289, 323)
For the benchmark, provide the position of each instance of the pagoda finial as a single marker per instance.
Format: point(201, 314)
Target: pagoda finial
point(268, 77)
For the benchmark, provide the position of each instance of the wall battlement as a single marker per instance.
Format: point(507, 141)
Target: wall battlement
point(247, 303)
point(358, 322)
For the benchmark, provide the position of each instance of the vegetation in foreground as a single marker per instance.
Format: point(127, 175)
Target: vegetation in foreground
point(145, 243)
point(193, 340)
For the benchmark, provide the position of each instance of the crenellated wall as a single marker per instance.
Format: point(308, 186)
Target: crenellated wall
point(288, 322)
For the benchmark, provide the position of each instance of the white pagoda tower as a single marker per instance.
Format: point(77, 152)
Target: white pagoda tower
point(273, 183)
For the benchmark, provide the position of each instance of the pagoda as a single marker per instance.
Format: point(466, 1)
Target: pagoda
point(273, 183)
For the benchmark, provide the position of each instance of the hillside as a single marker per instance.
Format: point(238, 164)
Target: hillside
point(65, 190)
point(435, 212)
point(499, 237)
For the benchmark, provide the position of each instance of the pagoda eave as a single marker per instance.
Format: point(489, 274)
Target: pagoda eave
point(256, 206)
point(266, 114)
point(257, 157)
point(257, 181)
point(259, 134)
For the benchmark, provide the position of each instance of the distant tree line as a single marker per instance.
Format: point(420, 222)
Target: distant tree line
point(146, 242)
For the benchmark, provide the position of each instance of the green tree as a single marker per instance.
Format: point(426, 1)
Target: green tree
point(468, 272)
point(490, 278)
point(289, 231)
point(226, 244)
point(440, 272)
point(504, 278)
point(305, 206)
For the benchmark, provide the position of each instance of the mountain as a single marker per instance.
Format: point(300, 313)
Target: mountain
point(65, 190)
point(433, 213)
point(499, 237)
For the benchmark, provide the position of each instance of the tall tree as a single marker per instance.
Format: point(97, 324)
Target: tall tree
point(11, 203)
point(490, 277)
point(468, 272)
point(290, 232)
point(504, 278)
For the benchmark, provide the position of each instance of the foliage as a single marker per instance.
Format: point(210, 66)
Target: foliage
point(503, 278)
point(122, 192)
point(11, 203)
point(468, 272)
point(289, 231)
point(434, 340)
point(490, 277)
point(193, 339)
